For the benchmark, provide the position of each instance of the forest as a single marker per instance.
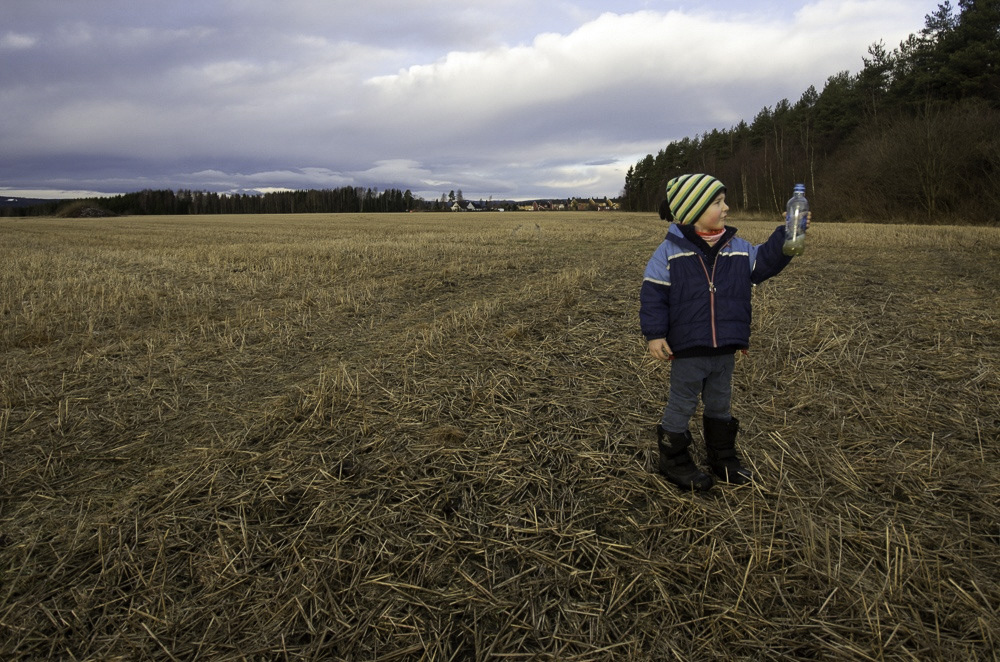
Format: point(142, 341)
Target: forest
point(340, 200)
point(914, 136)
point(343, 200)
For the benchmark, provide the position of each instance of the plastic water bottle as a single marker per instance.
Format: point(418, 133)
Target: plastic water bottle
point(796, 214)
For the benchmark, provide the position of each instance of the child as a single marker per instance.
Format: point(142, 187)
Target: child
point(695, 309)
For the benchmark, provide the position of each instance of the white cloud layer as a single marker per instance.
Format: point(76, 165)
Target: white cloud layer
point(506, 98)
point(12, 41)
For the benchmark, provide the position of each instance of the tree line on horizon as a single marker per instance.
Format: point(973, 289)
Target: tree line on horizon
point(159, 202)
point(346, 199)
point(913, 136)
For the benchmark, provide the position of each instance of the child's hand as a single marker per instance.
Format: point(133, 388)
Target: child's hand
point(660, 350)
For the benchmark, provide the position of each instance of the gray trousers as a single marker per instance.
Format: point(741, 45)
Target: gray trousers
point(707, 377)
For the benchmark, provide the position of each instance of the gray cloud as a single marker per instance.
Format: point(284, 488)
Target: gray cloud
point(508, 98)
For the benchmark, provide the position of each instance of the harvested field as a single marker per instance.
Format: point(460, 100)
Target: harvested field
point(426, 437)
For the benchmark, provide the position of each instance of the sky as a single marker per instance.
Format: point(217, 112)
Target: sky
point(501, 99)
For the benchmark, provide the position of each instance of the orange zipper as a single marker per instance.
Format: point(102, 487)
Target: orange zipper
point(711, 289)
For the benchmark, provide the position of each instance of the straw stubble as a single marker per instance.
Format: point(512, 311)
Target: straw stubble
point(429, 437)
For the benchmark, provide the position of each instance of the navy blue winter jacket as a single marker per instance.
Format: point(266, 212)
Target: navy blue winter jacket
point(702, 306)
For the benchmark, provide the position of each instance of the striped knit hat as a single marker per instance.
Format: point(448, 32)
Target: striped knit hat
point(688, 196)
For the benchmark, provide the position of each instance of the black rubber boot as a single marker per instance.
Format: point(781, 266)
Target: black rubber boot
point(676, 464)
point(720, 442)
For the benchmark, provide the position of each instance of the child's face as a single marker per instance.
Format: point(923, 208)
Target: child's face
point(714, 218)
